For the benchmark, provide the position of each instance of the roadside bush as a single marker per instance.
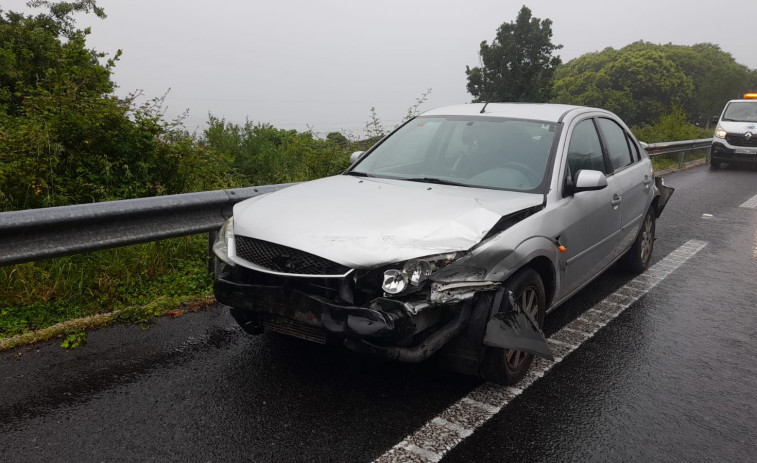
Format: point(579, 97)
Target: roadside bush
point(263, 154)
point(671, 126)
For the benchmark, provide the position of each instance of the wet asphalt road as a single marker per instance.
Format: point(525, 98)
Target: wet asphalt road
point(673, 378)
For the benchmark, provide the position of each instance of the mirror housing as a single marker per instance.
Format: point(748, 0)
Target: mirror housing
point(589, 180)
point(355, 156)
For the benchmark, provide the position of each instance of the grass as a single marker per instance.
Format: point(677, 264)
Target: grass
point(130, 284)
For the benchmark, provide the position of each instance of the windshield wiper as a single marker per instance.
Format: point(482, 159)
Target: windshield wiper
point(439, 181)
point(358, 174)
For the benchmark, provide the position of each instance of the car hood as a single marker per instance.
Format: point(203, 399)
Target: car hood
point(738, 127)
point(366, 222)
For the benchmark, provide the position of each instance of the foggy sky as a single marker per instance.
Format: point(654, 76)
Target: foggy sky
point(324, 64)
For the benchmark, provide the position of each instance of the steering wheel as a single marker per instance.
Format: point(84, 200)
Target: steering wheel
point(533, 176)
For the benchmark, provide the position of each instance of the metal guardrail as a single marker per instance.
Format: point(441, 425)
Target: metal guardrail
point(670, 147)
point(37, 234)
point(680, 147)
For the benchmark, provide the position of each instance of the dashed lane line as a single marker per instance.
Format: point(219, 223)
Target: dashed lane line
point(440, 435)
point(751, 203)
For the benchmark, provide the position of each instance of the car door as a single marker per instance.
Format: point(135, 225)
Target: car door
point(592, 219)
point(633, 177)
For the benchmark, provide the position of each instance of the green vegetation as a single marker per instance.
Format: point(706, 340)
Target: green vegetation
point(518, 65)
point(670, 126)
point(128, 279)
point(643, 81)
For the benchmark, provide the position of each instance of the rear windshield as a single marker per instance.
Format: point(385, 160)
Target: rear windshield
point(741, 111)
point(510, 154)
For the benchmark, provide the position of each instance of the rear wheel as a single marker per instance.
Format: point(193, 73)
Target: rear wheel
point(506, 366)
point(637, 259)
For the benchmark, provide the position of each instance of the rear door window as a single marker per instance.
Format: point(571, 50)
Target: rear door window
point(616, 143)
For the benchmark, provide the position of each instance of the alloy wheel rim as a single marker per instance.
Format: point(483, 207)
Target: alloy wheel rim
point(646, 239)
point(529, 302)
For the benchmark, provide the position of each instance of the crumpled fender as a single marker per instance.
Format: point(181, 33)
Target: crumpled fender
point(528, 250)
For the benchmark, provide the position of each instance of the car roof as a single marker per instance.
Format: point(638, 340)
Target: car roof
point(536, 111)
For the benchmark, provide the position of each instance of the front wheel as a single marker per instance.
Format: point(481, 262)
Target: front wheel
point(507, 366)
point(637, 259)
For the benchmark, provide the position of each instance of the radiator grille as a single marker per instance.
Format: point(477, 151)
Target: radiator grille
point(741, 140)
point(284, 259)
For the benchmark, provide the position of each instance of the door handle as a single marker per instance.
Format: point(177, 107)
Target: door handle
point(616, 200)
point(647, 181)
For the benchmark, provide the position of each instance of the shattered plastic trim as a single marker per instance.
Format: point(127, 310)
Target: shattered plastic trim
point(444, 293)
point(440, 435)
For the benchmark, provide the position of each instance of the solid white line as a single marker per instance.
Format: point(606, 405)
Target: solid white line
point(440, 435)
point(751, 203)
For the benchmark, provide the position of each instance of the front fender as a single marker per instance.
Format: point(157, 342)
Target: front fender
point(525, 252)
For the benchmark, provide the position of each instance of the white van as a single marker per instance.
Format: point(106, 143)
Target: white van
point(735, 140)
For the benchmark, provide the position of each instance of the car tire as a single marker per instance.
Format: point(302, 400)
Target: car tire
point(714, 165)
point(504, 366)
point(638, 257)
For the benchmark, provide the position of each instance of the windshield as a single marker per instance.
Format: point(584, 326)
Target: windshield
point(484, 152)
point(741, 111)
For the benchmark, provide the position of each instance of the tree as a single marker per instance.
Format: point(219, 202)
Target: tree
point(518, 65)
point(643, 81)
point(65, 138)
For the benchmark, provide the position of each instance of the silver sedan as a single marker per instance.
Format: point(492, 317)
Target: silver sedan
point(452, 237)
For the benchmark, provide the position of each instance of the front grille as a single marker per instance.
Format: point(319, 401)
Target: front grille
point(740, 140)
point(284, 259)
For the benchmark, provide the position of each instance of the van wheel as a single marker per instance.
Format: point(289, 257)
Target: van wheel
point(507, 366)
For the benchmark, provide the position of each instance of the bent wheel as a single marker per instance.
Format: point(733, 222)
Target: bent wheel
point(506, 366)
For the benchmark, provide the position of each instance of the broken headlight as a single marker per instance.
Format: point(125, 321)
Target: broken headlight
point(415, 271)
point(224, 240)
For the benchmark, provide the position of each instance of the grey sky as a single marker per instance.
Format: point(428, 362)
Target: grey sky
point(324, 64)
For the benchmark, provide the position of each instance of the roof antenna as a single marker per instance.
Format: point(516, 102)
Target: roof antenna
point(484, 108)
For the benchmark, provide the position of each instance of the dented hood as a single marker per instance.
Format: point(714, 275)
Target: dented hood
point(365, 222)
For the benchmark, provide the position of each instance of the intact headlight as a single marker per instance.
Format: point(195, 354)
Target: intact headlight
point(720, 132)
point(415, 271)
point(224, 240)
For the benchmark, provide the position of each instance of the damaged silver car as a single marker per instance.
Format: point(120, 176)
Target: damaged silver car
point(452, 237)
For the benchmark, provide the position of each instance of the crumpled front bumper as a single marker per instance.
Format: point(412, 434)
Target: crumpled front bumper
point(384, 319)
point(385, 327)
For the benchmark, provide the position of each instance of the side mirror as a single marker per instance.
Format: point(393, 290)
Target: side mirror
point(589, 180)
point(714, 119)
point(355, 156)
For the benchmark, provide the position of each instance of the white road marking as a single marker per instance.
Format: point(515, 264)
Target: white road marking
point(751, 203)
point(440, 435)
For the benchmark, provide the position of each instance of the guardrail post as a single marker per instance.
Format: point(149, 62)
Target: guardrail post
point(681, 158)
